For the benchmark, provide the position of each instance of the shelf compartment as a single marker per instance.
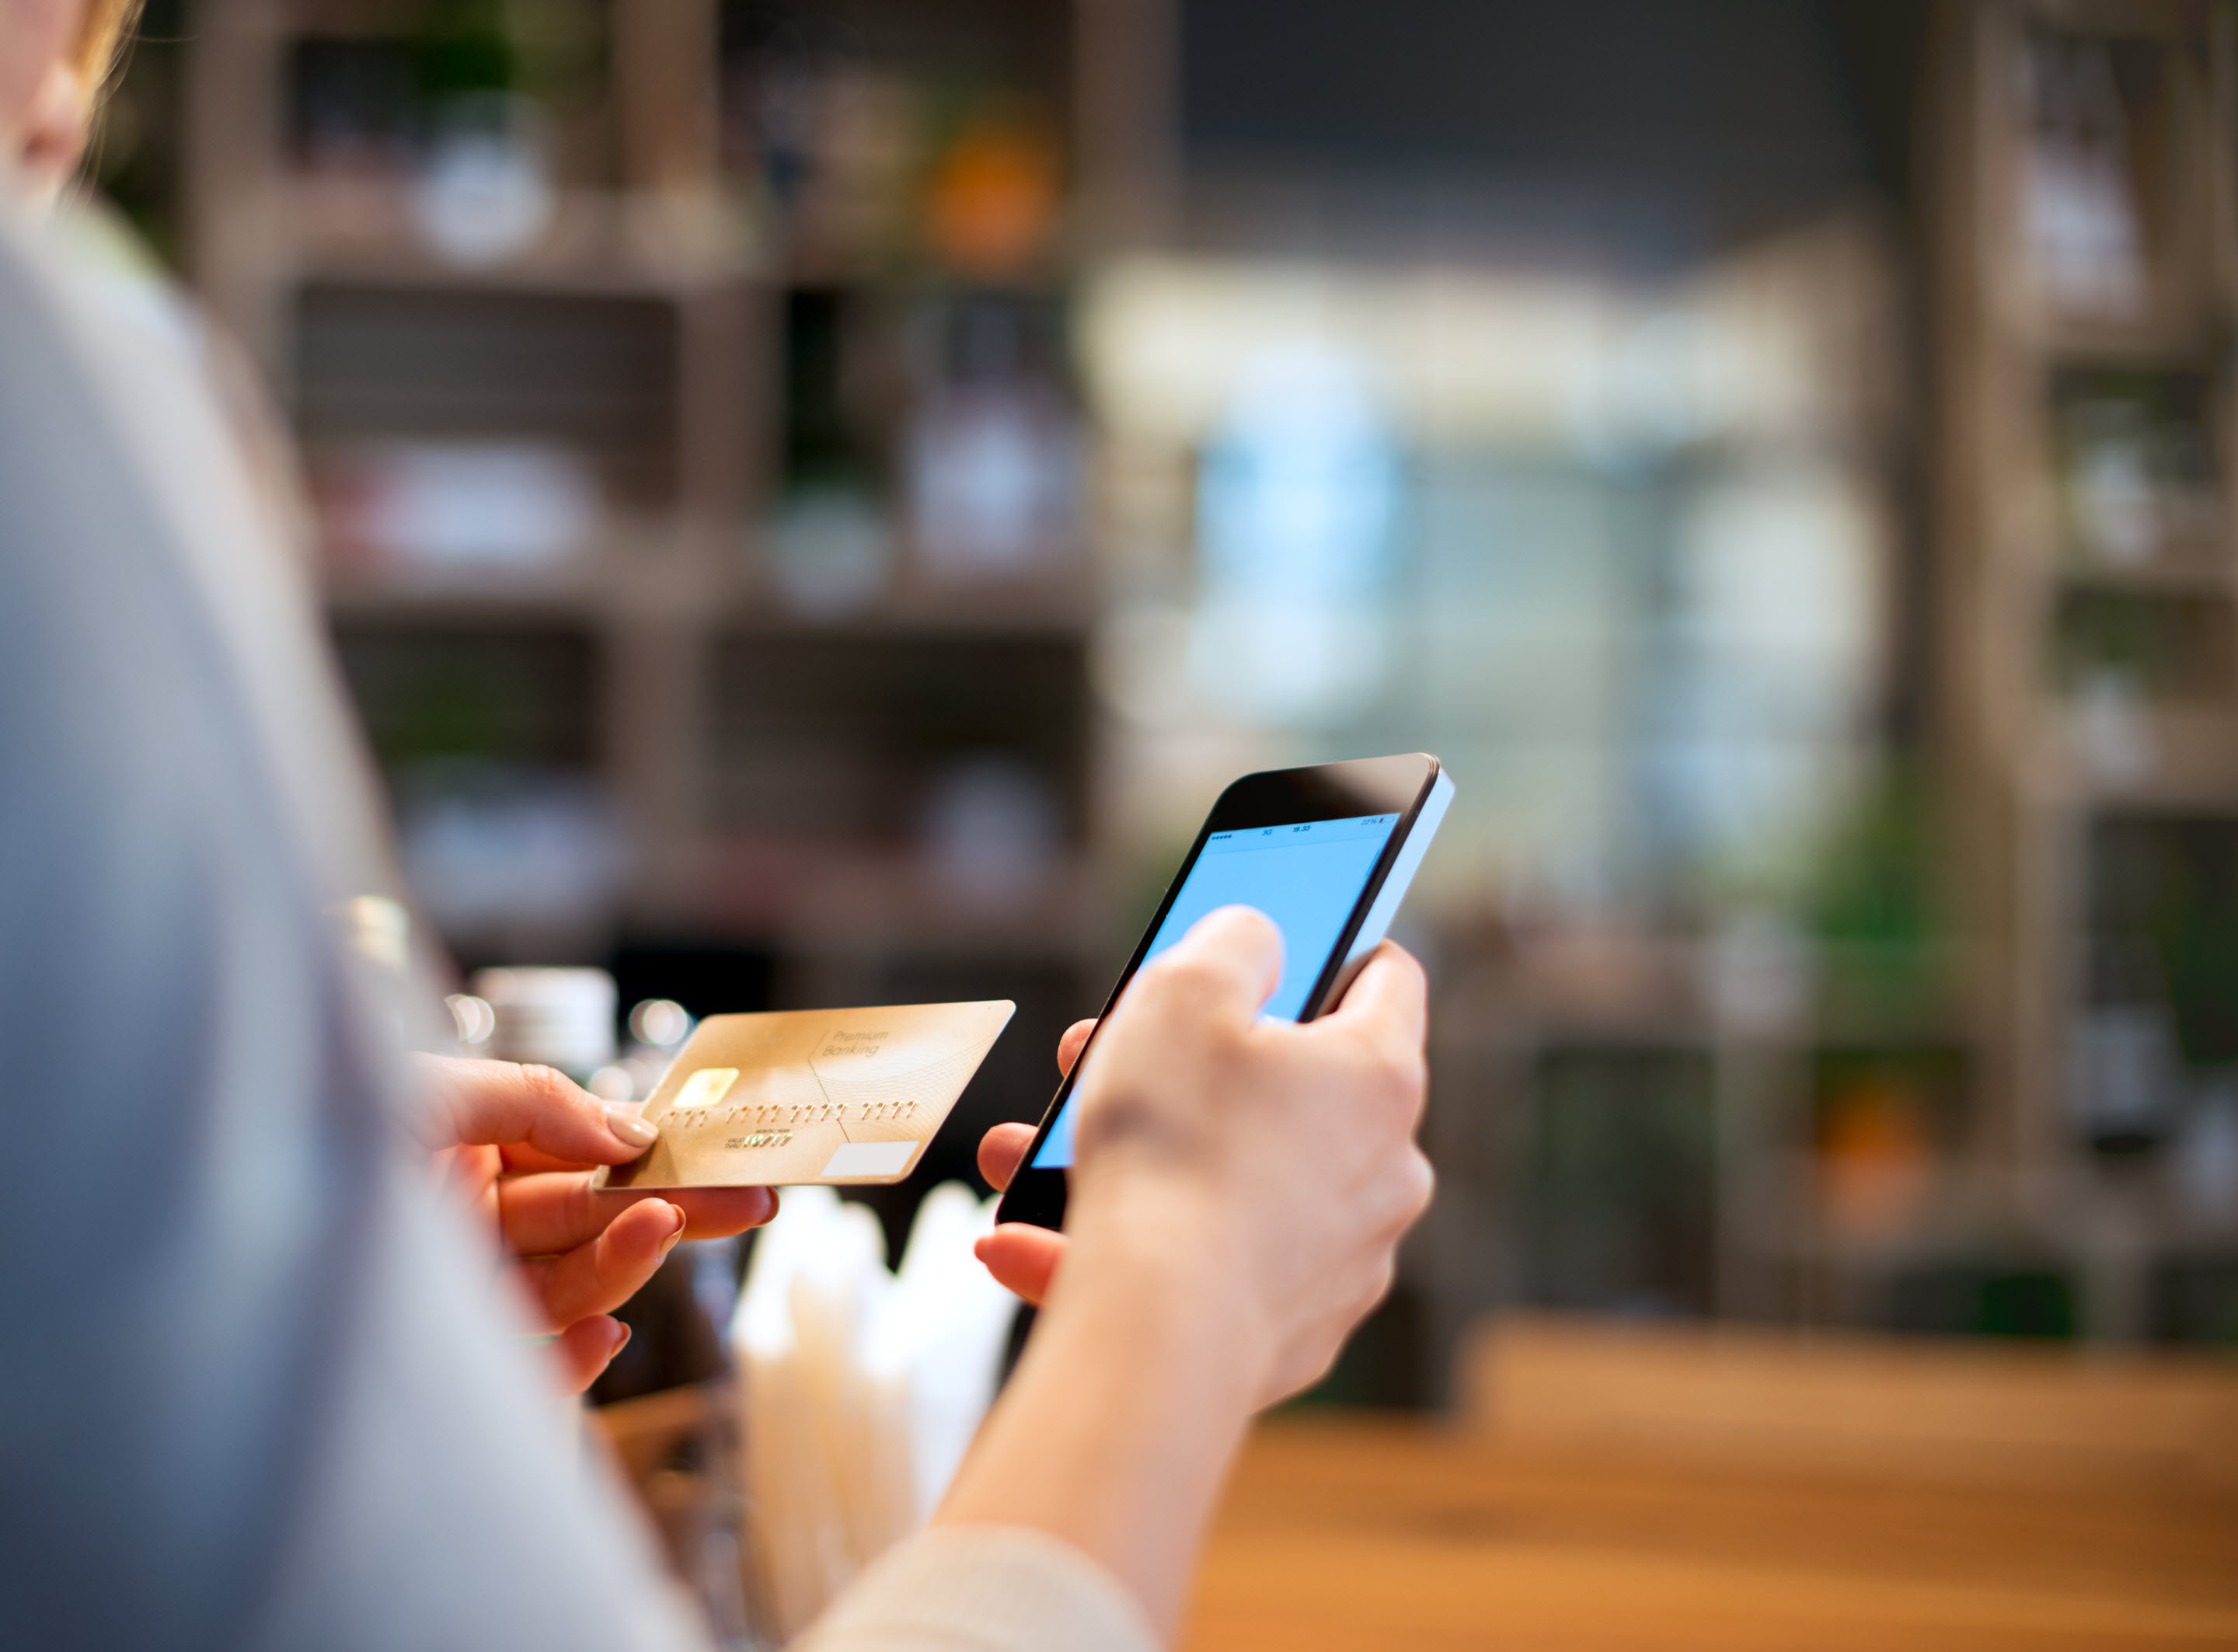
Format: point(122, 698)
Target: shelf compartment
point(2168, 648)
point(517, 694)
point(852, 735)
point(2111, 185)
point(1617, 1169)
point(2166, 884)
point(594, 376)
point(2147, 683)
point(2140, 474)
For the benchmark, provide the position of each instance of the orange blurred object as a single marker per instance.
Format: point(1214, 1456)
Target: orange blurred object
point(1876, 1156)
point(992, 208)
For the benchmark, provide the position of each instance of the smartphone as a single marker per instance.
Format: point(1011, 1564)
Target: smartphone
point(1327, 853)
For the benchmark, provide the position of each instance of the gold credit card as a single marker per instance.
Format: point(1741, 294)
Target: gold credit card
point(810, 1095)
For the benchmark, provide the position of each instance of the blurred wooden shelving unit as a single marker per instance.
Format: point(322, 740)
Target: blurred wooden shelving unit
point(642, 331)
point(2084, 283)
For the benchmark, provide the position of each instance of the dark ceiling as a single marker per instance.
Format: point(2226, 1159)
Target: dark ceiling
point(1663, 128)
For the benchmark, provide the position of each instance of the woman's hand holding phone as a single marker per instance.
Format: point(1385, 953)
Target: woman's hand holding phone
point(1274, 1161)
point(1238, 1191)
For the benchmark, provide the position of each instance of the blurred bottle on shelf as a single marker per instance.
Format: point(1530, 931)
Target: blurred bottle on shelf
point(2125, 1071)
point(490, 846)
point(485, 189)
point(832, 549)
point(833, 144)
point(2109, 714)
point(2206, 1155)
point(2114, 498)
point(994, 454)
point(454, 129)
point(830, 541)
point(992, 201)
point(562, 1018)
point(868, 170)
point(2081, 221)
point(1876, 1154)
point(2136, 466)
point(992, 471)
point(2138, 669)
point(436, 512)
point(2122, 1075)
point(993, 832)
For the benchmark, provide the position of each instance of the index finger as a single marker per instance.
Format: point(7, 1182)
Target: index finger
point(539, 1115)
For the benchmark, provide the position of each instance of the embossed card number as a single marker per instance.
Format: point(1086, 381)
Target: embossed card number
point(839, 1095)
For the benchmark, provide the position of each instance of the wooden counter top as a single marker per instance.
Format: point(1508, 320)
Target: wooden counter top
point(1351, 1533)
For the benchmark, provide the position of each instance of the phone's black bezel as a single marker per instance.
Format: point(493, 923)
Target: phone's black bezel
point(1396, 785)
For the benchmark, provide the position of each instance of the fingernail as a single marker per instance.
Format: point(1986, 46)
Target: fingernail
point(621, 1341)
point(669, 1244)
point(630, 1126)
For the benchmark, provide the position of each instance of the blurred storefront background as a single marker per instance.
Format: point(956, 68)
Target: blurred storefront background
point(814, 500)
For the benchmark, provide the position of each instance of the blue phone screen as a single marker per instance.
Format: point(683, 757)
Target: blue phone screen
point(1307, 877)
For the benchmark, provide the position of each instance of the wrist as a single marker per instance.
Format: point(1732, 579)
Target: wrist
point(1161, 1253)
point(1116, 1429)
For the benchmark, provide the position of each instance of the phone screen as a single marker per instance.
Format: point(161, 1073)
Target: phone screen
point(1307, 877)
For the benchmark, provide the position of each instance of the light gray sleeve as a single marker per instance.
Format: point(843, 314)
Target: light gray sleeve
point(258, 1385)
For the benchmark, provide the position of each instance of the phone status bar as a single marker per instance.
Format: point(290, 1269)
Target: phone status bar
point(1303, 834)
